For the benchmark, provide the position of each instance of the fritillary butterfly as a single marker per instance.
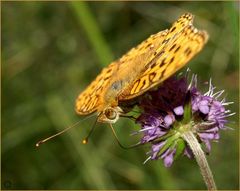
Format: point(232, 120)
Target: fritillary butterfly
point(141, 69)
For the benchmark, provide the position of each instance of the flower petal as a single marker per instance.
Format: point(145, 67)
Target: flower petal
point(178, 110)
point(169, 119)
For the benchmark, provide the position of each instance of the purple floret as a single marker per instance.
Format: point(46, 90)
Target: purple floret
point(163, 110)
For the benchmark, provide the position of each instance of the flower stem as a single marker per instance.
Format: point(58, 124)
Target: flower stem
point(189, 137)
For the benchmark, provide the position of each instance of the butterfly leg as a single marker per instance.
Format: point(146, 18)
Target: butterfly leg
point(118, 141)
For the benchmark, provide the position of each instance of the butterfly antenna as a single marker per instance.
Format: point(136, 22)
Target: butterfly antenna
point(119, 143)
point(61, 132)
point(85, 141)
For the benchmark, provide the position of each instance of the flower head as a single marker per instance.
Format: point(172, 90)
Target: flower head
point(176, 107)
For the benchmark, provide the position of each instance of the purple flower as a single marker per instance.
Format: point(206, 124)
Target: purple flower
point(176, 107)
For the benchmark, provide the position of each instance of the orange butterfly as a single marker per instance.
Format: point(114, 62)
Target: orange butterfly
point(141, 69)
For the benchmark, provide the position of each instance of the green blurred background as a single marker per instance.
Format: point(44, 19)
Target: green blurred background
point(52, 50)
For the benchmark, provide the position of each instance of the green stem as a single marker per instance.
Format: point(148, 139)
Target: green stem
point(189, 137)
point(93, 32)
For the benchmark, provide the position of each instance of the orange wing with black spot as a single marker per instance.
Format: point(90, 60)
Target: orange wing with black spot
point(90, 99)
point(144, 66)
point(182, 43)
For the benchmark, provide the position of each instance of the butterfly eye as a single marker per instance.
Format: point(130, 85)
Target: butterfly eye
point(110, 113)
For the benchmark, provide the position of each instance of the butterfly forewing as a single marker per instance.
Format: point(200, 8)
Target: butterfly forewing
point(146, 48)
point(179, 49)
point(143, 67)
point(90, 99)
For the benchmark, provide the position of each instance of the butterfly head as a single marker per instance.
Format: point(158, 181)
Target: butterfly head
point(109, 115)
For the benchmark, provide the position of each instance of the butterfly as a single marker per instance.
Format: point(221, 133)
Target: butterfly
point(141, 69)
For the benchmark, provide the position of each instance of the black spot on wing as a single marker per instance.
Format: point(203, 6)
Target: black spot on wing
point(165, 41)
point(144, 82)
point(172, 47)
point(153, 65)
point(162, 74)
point(163, 62)
point(172, 29)
point(151, 76)
point(187, 51)
point(177, 48)
point(135, 86)
point(107, 78)
point(172, 59)
point(109, 70)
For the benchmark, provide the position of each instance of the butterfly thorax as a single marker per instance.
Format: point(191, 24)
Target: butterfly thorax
point(121, 79)
point(109, 109)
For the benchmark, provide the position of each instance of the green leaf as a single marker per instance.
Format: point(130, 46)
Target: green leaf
point(180, 146)
point(91, 26)
point(164, 137)
point(169, 142)
point(187, 113)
